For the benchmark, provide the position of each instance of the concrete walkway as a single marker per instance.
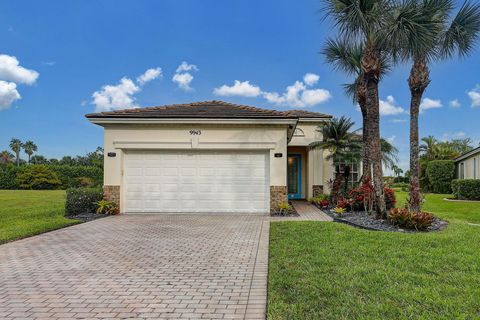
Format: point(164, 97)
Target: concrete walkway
point(140, 267)
point(306, 211)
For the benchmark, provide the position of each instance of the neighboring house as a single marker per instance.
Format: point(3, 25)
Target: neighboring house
point(468, 165)
point(211, 156)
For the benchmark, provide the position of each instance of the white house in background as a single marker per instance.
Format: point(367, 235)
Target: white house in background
point(468, 165)
point(211, 156)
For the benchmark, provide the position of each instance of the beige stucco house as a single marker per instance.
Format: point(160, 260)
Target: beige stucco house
point(468, 165)
point(211, 156)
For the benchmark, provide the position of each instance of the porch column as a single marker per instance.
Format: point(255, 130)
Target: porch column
point(315, 172)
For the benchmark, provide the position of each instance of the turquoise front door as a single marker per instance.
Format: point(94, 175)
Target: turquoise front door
point(294, 176)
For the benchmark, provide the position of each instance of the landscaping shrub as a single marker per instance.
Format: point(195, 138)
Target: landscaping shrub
point(79, 176)
point(363, 197)
point(407, 219)
point(440, 174)
point(8, 176)
point(82, 200)
point(38, 177)
point(106, 207)
point(468, 189)
point(390, 199)
point(284, 208)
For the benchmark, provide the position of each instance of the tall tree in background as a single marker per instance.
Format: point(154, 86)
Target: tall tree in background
point(29, 147)
point(448, 37)
point(16, 146)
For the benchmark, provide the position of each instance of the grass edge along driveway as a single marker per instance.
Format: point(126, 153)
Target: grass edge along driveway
point(25, 213)
point(321, 270)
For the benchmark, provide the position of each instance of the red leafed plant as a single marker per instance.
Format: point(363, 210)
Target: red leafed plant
point(407, 219)
point(324, 204)
point(344, 203)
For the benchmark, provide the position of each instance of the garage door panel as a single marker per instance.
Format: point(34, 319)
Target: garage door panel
point(196, 181)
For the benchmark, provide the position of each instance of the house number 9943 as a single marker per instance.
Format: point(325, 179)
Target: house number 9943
point(195, 132)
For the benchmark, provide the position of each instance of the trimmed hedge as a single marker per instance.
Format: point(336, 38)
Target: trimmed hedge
point(70, 176)
point(440, 175)
point(82, 200)
point(75, 176)
point(8, 176)
point(467, 189)
point(38, 177)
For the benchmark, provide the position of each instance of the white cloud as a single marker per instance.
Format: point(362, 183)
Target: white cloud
point(10, 70)
point(242, 89)
point(183, 80)
point(474, 95)
point(149, 75)
point(455, 103)
point(119, 96)
point(48, 63)
point(183, 76)
point(296, 95)
point(391, 139)
point(388, 107)
point(8, 94)
point(185, 66)
point(453, 135)
point(310, 79)
point(398, 120)
point(428, 103)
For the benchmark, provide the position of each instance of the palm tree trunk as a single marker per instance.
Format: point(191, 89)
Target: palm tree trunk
point(418, 82)
point(361, 98)
point(371, 71)
point(366, 171)
point(17, 158)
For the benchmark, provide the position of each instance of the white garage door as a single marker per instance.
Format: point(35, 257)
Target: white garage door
point(196, 181)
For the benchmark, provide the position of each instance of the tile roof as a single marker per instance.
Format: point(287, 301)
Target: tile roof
point(205, 109)
point(306, 114)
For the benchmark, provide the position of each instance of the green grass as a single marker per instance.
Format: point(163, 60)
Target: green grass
point(321, 270)
point(25, 213)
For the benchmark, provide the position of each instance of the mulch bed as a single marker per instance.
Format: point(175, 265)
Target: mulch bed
point(364, 220)
point(87, 216)
point(293, 213)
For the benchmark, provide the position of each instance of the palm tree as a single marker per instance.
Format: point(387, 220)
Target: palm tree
point(429, 147)
point(29, 148)
point(346, 56)
point(389, 153)
point(374, 24)
point(447, 37)
point(16, 146)
point(6, 156)
point(344, 147)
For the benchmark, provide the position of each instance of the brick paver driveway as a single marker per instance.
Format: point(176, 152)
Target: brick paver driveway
point(139, 266)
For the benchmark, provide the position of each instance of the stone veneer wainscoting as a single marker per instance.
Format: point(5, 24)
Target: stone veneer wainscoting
point(112, 193)
point(278, 194)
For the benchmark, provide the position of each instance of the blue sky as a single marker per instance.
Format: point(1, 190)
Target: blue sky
point(67, 50)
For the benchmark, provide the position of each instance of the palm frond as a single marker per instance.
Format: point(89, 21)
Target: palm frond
point(463, 33)
point(343, 55)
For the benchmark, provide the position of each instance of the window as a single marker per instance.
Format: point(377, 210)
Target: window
point(354, 172)
point(462, 171)
point(299, 133)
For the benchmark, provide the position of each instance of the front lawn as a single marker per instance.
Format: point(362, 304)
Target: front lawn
point(25, 213)
point(322, 270)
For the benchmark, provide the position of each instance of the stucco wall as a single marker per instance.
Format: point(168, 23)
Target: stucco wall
point(120, 137)
point(469, 167)
point(318, 168)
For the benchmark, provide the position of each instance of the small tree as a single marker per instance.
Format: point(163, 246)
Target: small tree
point(6, 157)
